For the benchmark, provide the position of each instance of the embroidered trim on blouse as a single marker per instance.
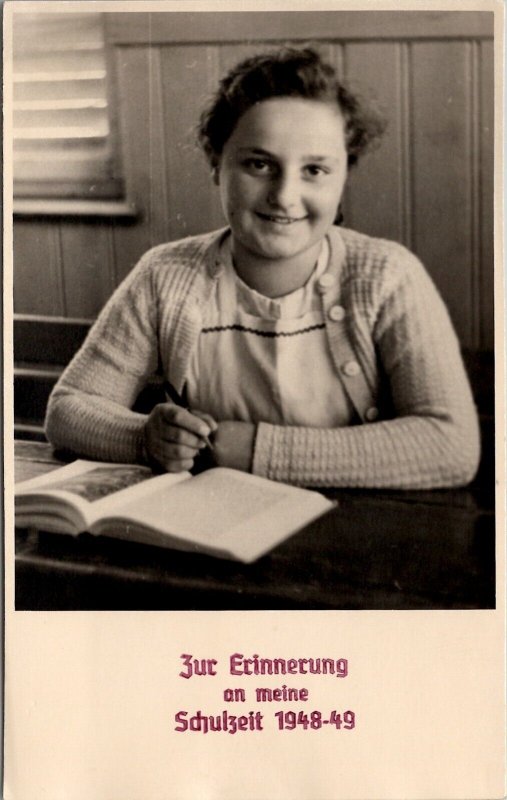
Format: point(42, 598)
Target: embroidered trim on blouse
point(268, 334)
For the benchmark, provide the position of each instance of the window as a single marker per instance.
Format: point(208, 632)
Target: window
point(64, 140)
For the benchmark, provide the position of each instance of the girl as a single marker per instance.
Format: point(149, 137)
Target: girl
point(308, 353)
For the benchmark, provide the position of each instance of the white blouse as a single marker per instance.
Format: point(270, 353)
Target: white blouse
point(262, 359)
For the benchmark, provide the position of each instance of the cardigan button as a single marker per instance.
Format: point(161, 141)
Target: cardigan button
point(326, 280)
point(371, 414)
point(336, 313)
point(351, 369)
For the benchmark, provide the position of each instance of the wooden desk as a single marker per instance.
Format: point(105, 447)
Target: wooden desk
point(378, 550)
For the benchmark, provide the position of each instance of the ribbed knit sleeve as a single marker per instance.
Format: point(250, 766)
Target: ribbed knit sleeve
point(433, 439)
point(89, 409)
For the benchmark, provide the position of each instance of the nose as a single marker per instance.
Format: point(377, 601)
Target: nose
point(283, 190)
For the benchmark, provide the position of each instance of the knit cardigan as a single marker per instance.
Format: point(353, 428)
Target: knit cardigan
point(390, 339)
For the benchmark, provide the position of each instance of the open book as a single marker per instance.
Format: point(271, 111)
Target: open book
point(221, 512)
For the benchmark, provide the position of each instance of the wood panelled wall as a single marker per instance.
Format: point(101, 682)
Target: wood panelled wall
point(429, 185)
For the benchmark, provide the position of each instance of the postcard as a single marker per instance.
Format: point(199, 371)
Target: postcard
point(266, 237)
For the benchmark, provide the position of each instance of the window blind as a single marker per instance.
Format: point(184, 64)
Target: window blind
point(64, 142)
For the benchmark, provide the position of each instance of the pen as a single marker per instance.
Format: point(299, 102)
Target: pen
point(172, 397)
point(208, 443)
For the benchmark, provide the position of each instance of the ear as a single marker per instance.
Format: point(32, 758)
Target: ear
point(339, 219)
point(215, 173)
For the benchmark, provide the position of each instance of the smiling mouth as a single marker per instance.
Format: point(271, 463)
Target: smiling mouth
point(279, 219)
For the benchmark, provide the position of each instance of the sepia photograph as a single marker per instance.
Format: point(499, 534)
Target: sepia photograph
point(254, 400)
point(260, 243)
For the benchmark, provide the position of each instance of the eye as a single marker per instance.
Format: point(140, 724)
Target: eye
point(315, 170)
point(258, 166)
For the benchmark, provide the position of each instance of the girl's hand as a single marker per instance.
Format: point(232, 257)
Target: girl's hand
point(233, 445)
point(173, 436)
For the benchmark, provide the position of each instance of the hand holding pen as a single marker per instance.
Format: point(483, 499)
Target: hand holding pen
point(173, 436)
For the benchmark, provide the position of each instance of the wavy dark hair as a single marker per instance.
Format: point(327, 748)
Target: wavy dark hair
point(288, 72)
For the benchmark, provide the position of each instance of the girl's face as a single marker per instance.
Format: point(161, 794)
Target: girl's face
point(281, 176)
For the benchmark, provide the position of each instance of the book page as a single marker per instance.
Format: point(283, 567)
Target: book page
point(95, 489)
point(102, 482)
point(154, 697)
point(45, 497)
point(206, 508)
